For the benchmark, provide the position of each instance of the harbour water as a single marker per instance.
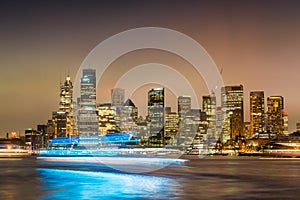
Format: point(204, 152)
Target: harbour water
point(206, 178)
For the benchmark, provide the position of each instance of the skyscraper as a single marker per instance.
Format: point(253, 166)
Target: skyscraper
point(128, 116)
point(117, 96)
point(87, 114)
point(156, 116)
point(209, 107)
point(232, 111)
point(184, 105)
point(298, 126)
point(192, 134)
point(66, 94)
point(257, 112)
point(66, 105)
point(171, 125)
point(63, 120)
point(106, 117)
point(117, 99)
point(275, 114)
point(60, 123)
point(285, 123)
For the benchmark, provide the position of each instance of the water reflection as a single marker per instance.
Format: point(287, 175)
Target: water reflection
point(66, 184)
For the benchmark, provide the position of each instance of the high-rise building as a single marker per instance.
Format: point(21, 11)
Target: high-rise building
point(106, 117)
point(33, 140)
point(42, 128)
point(209, 107)
point(275, 115)
point(141, 130)
point(60, 123)
point(128, 116)
point(117, 96)
point(247, 130)
point(184, 105)
point(233, 112)
point(156, 104)
point(298, 126)
point(87, 113)
point(257, 112)
point(285, 123)
point(171, 125)
point(66, 105)
point(192, 134)
point(117, 99)
point(63, 119)
point(219, 121)
point(50, 129)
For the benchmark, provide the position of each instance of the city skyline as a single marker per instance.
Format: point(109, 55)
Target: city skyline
point(253, 44)
point(121, 115)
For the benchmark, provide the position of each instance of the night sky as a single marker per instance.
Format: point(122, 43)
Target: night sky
point(255, 43)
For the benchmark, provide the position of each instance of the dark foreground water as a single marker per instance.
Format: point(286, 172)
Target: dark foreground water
point(210, 178)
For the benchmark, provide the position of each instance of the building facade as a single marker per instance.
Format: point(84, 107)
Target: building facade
point(106, 118)
point(275, 115)
point(209, 107)
point(257, 113)
point(156, 102)
point(63, 119)
point(184, 105)
point(171, 126)
point(298, 126)
point(117, 97)
point(87, 113)
point(232, 112)
point(285, 123)
point(128, 116)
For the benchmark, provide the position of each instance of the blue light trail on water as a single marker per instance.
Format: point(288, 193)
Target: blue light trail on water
point(72, 184)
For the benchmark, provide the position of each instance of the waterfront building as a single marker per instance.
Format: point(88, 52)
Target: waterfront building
point(128, 116)
point(59, 120)
point(184, 105)
point(117, 97)
point(285, 123)
point(209, 107)
point(87, 113)
point(247, 130)
point(257, 112)
point(66, 105)
point(33, 139)
point(298, 127)
point(171, 125)
point(50, 129)
point(63, 119)
point(275, 115)
point(141, 130)
point(106, 118)
point(156, 104)
point(219, 121)
point(192, 134)
point(45, 136)
point(233, 112)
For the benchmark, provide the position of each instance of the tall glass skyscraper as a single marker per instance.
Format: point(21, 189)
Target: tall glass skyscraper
point(128, 116)
point(87, 113)
point(184, 105)
point(275, 115)
point(63, 119)
point(209, 107)
point(106, 117)
point(233, 112)
point(257, 112)
point(156, 104)
point(117, 96)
